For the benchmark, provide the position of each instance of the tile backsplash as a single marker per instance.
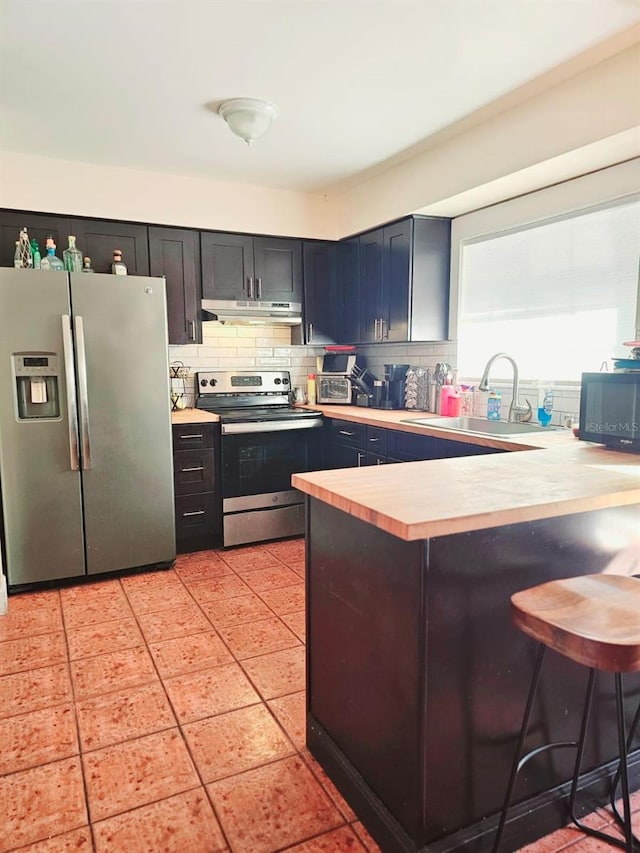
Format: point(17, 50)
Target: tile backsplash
point(241, 348)
point(244, 347)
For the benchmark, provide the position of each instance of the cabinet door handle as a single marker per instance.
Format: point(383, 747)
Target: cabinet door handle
point(197, 468)
point(345, 432)
point(309, 332)
point(382, 333)
point(380, 462)
point(374, 440)
point(195, 512)
point(193, 435)
point(250, 287)
point(375, 329)
point(360, 458)
point(192, 330)
point(258, 288)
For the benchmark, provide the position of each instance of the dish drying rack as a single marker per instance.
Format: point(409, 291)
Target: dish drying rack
point(178, 375)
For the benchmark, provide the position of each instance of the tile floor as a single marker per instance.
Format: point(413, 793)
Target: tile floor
point(164, 712)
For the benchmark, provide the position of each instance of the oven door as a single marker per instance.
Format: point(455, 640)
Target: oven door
point(256, 463)
point(258, 501)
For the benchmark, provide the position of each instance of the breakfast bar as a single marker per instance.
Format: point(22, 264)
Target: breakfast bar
point(416, 678)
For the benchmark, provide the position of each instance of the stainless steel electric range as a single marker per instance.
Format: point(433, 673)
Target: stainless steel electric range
point(264, 440)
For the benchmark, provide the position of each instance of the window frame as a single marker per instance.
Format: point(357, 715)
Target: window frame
point(604, 188)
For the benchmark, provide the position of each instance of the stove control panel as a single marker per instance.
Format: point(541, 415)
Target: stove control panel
point(243, 382)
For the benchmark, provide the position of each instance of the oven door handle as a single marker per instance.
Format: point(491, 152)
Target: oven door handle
point(271, 426)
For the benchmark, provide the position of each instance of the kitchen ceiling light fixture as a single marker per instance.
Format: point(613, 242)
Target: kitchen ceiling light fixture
point(248, 118)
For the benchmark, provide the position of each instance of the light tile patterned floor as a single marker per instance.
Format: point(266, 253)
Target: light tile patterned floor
point(164, 712)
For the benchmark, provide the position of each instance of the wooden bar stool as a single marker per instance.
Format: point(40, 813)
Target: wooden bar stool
point(593, 620)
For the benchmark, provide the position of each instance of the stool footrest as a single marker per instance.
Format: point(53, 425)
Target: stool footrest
point(629, 842)
point(561, 744)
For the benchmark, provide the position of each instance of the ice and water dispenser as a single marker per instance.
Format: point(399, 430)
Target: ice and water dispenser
point(37, 379)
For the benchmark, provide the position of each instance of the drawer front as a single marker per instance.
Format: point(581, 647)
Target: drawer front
point(377, 440)
point(353, 435)
point(193, 471)
point(198, 522)
point(193, 436)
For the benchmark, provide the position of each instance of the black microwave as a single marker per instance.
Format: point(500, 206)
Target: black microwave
point(610, 409)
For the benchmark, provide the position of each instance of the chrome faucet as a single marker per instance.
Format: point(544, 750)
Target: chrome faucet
point(516, 411)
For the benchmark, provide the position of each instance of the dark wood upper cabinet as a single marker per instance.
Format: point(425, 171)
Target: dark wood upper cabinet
point(430, 273)
point(227, 266)
point(385, 285)
point(319, 272)
point(396, 277)
point(348, 304)
point(175, 254)
point(370, 286)
point(97, 239)
point(239, 266)
point(39, 226)
point(404, 281)
point(278, 269)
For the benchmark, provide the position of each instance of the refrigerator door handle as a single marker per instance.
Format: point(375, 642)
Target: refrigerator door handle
point(70, 382)
point(84, 395)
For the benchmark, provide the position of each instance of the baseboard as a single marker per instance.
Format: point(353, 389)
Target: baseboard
point(528, 821)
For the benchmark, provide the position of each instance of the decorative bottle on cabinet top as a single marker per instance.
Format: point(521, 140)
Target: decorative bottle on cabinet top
point(51, 262)
point(87, 265)
point(72, 256)
point(118, 266)
point(35, 251)
point(26, 256)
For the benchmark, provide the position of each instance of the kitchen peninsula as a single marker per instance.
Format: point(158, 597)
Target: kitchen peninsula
point(416, 678)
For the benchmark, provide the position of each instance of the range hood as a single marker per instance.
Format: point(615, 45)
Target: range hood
point(249, 312)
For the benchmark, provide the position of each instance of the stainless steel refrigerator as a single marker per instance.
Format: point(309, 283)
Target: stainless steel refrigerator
point(86, 470)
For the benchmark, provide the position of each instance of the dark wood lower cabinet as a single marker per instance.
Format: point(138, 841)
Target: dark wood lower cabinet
point(196, 485)
point(353, 445)
point(417, 678)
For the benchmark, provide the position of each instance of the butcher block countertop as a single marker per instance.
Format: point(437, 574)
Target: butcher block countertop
point(193, 416)
point(557, 475)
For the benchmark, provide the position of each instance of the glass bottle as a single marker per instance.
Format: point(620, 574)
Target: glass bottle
point(17, 261)
point(35, 251)
point(51, 261)
point(87, 265)
point(72, 256)
point(26, 258)
point(311, 389)
point(118, 266)
point(545, 403)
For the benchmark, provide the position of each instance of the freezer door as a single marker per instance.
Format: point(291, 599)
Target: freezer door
point(120, 329)
point(41, 497)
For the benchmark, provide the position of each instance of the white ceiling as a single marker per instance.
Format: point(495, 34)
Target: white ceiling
point(134, 83)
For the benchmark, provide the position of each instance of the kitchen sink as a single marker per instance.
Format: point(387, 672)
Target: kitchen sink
point(480, 426)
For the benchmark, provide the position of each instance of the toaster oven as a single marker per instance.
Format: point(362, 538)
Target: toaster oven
point(332, 388)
